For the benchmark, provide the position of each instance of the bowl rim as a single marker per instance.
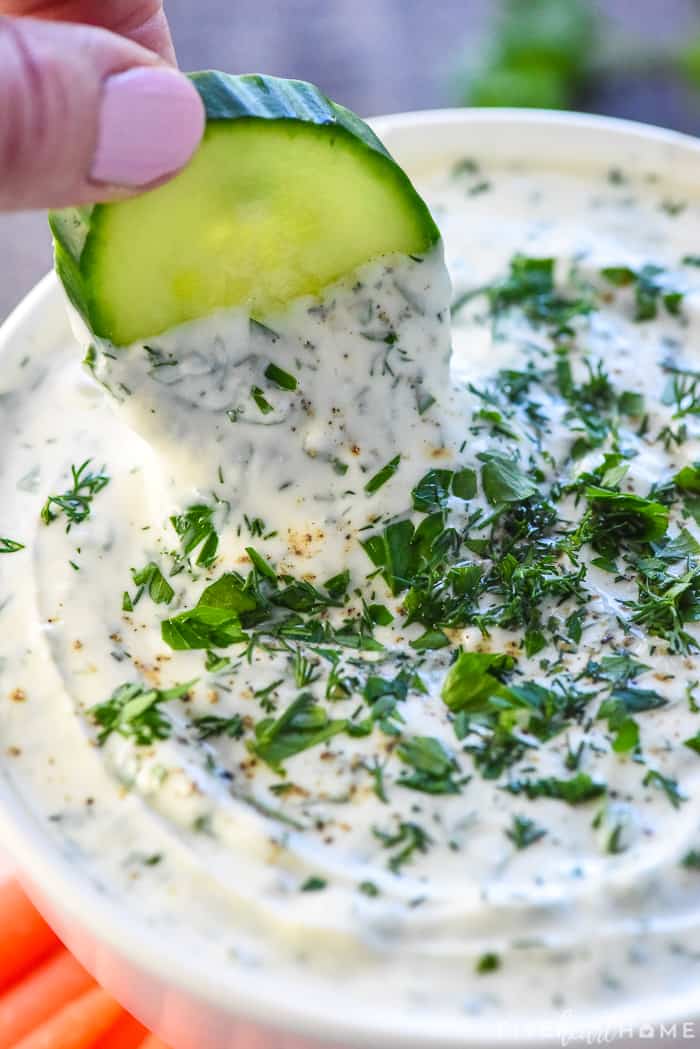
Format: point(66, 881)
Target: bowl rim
point(243, 994)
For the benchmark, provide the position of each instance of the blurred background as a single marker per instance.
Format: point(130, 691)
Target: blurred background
point(630, 58)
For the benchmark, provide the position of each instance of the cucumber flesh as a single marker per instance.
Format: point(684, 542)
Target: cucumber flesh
point(287, 194)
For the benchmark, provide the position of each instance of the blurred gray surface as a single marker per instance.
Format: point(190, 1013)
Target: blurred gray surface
point(374, 56)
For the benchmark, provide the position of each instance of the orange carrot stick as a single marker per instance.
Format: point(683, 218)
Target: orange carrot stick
point(153, 1043)
point(127, 1033)
point(28, 1003)
point(77, 1025)
point(25, 938)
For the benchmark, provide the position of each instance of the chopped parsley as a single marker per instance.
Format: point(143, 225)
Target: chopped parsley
point(666, 603)
point(134, 711)
point(652, 286)
point(432, 492)
point(433, 767)
point(337, 586)
point(688, 479)
point(474, 679)
point(618, 669)
point(618, 708)
point(396, 553)
point(151, 579)
point(195, 528)
point(499, 722)
point(530, 286)
point(215, 621)
point(621, 516)
point(504, 544)
point(304, 724)
point(503, 481)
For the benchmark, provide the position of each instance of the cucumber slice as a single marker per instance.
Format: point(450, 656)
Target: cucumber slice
point(287, 193)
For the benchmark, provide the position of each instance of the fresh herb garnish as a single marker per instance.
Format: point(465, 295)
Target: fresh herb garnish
point(618, 708)
point(498, 729)
point(383, 696)
point(304, 724)
point(430, 640)
point(195, 528)
point(691, 860)
point(10, 546)
point(694, 743)
point(395, 552)
point(259, 397)
point(668, 785)
point(531, 287)
point(408, 839)
point(215, 664)
point(434, 768)
point(209, 726)
point(652, 286)
point(314, 884)
point(524, 832)
point(133, 711)
point(488, 963)
point(76, 502)
point(622, 517)
point(215, 621)
point(280, 378)
point(152, 579)
point(503, 481)
point(576, 791)
point(618, 669)
point(383, 475)
point(432, 492)
point(682, 393)
point(666, 603)
point(688, 479)
point(474, 679)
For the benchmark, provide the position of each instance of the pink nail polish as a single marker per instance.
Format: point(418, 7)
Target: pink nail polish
point(151, 122)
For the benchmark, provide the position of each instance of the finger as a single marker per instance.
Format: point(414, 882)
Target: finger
point(143, 21)
point(86, 115)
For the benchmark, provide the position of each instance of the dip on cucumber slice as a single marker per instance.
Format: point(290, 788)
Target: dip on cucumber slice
point(287, 193)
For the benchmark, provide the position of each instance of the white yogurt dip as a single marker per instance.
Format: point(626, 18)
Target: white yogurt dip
point(326, 793)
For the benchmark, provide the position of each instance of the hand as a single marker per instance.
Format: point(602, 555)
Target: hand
point(91, 106)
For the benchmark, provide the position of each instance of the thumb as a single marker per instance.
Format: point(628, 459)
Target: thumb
point(86, 115)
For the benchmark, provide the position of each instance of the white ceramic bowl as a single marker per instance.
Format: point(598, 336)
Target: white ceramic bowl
point(239, 1009)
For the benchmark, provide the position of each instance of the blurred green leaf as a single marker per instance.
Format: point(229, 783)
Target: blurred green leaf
point(539, 54)
point(536, 88)
point(688, 61)
point(553, 33)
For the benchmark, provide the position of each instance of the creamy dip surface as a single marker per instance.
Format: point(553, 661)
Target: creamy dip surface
point(358, 647)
